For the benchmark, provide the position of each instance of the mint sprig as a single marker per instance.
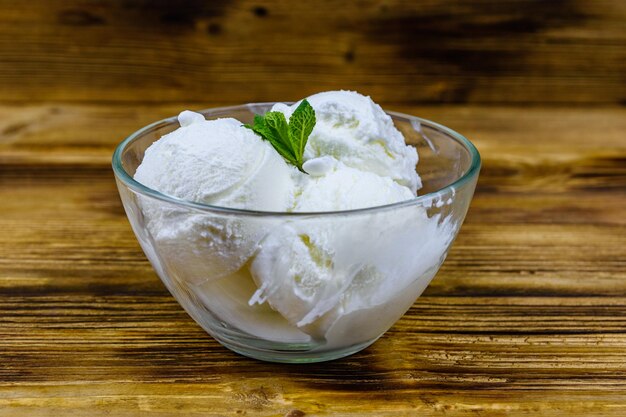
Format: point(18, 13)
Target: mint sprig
point(289, 139)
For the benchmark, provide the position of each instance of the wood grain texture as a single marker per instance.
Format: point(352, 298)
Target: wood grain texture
point(435, 51)
point(527, 317)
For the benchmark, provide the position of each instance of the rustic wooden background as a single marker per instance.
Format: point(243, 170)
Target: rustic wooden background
point(527, 316)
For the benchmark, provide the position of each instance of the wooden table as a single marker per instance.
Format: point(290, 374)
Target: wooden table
point(526, 317)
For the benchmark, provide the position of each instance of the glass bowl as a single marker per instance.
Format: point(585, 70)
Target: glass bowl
point(301, 287)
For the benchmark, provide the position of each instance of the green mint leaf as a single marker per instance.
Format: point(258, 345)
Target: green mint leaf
point(289, 139)
point(259, 127)
point(284, 150)
point(301, 124)
point(276, 122)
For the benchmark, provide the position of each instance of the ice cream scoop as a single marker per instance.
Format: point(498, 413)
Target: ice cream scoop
point(356, 131)
point(342, 187)
point(215, 162)
point(317, 274)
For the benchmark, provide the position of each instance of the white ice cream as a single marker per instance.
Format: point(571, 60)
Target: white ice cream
point(336, 280)
point(317, 274)
point(216, 162)
point(344, 188)
point(356, 131)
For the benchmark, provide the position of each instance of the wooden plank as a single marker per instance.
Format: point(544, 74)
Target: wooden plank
point(256, 397)
point(435, 51)
point(527, 317)
point(558, 138)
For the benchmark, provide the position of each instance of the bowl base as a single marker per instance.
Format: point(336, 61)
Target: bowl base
point(292, 356)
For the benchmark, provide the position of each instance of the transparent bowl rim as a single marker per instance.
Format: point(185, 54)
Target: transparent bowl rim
point(136, 186)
